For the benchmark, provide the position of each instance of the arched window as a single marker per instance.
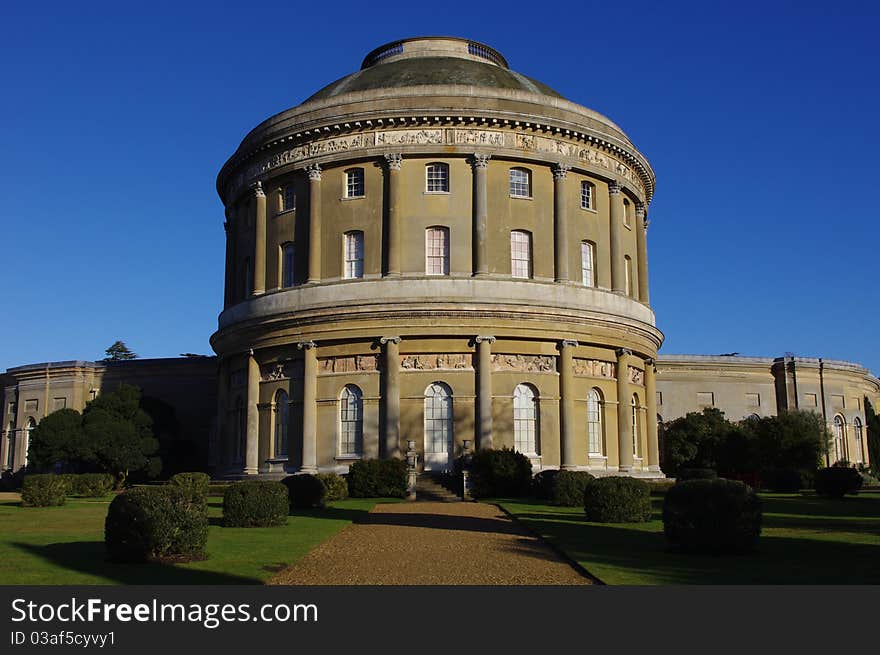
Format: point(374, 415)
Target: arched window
point(354, 254)
point(28, 432)
point(438, 420)
point(10, 445)
point(857, 436)
point(354, 183)
point(525, 419)
point(588, 194)
point(839, 438)
point(282, 413)
point(521, 254)
point(437, 178)
point(628, 270)
point(351, 421)
point(437, 251)
point(288, 198)
point(636, 432)
point(287, 251)
point(520, 183)
point(595, 436)
point(588, 273)
point(240, 431)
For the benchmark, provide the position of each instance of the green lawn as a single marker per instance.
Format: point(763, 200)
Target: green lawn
point(804, 540)
point(65, 545)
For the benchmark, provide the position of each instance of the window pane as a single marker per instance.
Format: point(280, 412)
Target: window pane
point(519, 183)
point(351, 421)
point(520, 254)
point(287, 265)
point(281, 420)
point(586, 195)
point(525, 420)
point(437, 251)
point(288, 199)
point(594, 424)
point(354, 255)
point(354, 183)
point(437, 177)
point(438, 419)
point(587, 264)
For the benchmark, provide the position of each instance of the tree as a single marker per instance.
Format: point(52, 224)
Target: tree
point(701, 440)
point(120, 435)
point(873, 434)
point(796, 439)
point(118, 352)
point(58, 439)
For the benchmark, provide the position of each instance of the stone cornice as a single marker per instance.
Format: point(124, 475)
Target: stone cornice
point(300, 147)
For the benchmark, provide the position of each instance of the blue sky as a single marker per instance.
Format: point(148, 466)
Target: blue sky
point(760, 119)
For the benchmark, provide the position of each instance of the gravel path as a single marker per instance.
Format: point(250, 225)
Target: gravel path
point(429, 543)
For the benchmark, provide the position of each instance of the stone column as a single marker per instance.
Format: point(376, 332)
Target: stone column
point(642, 245)
point(560, 223)
point(391, 397)
point(566, 402)
point(310, 407)
point(252, 440)
point(624, 412)
point(483, 437)
point(259, 240)
point(4, 444)
point(314, 172)
point(651, 418)
point(618, 265)
point(480, 163)
point(393, 160)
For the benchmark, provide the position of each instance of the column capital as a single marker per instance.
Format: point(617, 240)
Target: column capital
point(250, 352)
point(560, 171)
point(641, 209)
point(314, 171)
point(569, 343)
point(480, 160)
point(623, 352)
point(306, 345)
point(393, 159)
point(385, 340)
point(257, 188)
point(650, 361)
point(487, 339)
point(614, 187)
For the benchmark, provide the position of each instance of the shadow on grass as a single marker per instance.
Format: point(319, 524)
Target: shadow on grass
point(91, 557)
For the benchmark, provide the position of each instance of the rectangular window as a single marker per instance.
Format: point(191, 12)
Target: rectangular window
point(354, 255)
point(288, 198)
point(587, 274)
point(706, 398)
point(287, 252)
point(627, 213)
point(628, 269)
point(437, 178)
point(586, 195)
point(354, 183)
point(520, 254)
point(519, 183)
point(437, 251)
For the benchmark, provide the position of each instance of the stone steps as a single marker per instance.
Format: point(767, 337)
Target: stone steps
point(429, 489)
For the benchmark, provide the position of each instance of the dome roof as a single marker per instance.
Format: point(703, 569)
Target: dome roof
point(433, 61)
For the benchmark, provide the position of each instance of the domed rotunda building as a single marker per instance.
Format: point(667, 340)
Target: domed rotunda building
point(436, 249)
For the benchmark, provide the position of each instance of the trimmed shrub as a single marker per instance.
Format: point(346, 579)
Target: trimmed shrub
point(336, 486)
point(784, 481)
point(713, 516)
point(377, 478)
point(696, 474)
point(218, 488)
point(93, 485)
point(43, 490)
point(617, 499)
point(255, 504)
point(156, 523)
point(542, 484)
point(305, 491)
point(195, 483)
point(500, 473)
point(834, 482)
point(69, 480)
point(568, 488)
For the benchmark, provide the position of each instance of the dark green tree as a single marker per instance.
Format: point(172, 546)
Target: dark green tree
point(796, 439)
point(118, 352)
point(120, 435)
point(873, 434)
point(696, 441)
point(59, 439)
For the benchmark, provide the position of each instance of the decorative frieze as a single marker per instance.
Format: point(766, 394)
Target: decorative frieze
point(409, 137)
point(636, 375)
point(479, 137)
point(524, 363)
point(348, 364)
point(594, 368)
point(431, 362)
point(275, 373)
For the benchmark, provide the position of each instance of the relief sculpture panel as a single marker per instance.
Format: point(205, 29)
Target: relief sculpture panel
point(351, 364)
point(524, 363)
point(594, 368)
point(430, 362)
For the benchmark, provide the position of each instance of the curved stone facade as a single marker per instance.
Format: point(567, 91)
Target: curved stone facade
point(447, 251)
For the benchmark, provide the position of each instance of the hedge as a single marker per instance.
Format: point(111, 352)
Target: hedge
point(194, 482)
point(156, 523)
point(43, 490)
point(695, 474)
point(500, 473)
point(255, 504)
point(835, 481)
point(336, 486)
point(568, 488)
point(93, 485)
point(377, 478)
point(714, 516)
point(786, 481)
point(305, 490)
point(542, 484)
point(617, 499)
